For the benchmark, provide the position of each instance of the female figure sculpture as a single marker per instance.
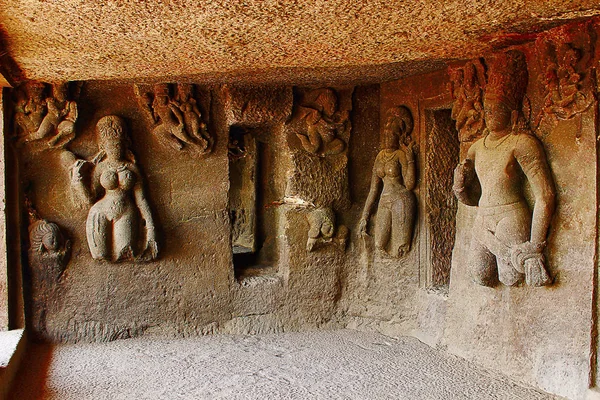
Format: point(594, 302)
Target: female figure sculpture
point(508, 239)
point(118, 199)
point(395, 168)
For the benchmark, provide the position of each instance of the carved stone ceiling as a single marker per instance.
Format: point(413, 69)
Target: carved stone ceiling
point(265, 40)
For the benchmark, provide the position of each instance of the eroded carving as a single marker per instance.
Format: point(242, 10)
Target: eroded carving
point(178, 122)
point(30, 108)
point(467, 86)
point(508, 239)
point(565, 77)
point(323, 229)
point(116, 197)
point(325, 123)
point(52, 118)
point(395, 168)
point(49, 253)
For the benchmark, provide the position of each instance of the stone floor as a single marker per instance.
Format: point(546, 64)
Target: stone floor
point(316, 365)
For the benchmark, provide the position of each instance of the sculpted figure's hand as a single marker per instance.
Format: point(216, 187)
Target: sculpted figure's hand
point(150, 250)
point(528, 258)
point(362, 227)
point(410, 150)
point(76, 175)
point(461, 172)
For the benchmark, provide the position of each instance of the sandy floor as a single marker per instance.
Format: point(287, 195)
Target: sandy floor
point(316, 365)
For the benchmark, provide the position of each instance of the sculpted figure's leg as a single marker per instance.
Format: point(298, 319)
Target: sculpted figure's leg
point(124, 230)
point(383, 227)
point(511, 230)
point(336, 146)
point(482, 264)
point(403, 220)
point(311, 141)
point(179, 132)
point(49, 123)
point(98, 234)
point(193, 123)
point(65, 133)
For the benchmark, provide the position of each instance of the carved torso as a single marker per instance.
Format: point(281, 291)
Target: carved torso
point(499, 169)
point(388, 166)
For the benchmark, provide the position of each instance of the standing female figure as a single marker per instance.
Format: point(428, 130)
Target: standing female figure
point(113, 225)
point(395, 168)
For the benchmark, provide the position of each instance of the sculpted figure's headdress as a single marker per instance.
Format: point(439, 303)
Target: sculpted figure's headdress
point(507, 78)
point(111, 128)
point(40, 230)
point(403, 116)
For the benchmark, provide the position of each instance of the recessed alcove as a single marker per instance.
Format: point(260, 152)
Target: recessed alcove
point(252, 198)
point(442, 150)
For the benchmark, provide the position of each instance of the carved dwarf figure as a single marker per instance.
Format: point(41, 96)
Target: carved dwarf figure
point(49, 254)
point(116, 198)
point(395, 168)
point(322, 229)
point(324, 123)
point(508, 240)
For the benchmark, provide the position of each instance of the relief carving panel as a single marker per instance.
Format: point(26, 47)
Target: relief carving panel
point(508, 239)
point(178, 120)
point(120, 225)
point(393, 180)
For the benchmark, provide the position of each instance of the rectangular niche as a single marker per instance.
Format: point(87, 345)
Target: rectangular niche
point(251, 196)
point(441, 157)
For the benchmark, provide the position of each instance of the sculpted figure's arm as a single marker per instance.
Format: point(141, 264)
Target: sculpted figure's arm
point(176, 112)
point(532, 158)
point(312, 140)
point(84, 196)
point(144, 207)
point(409, 171)
point(466, 187)
point(371, 198)
point(73, 113)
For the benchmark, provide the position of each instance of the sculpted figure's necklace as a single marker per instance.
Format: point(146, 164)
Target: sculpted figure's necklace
point(389, 154)
point(497, 144)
